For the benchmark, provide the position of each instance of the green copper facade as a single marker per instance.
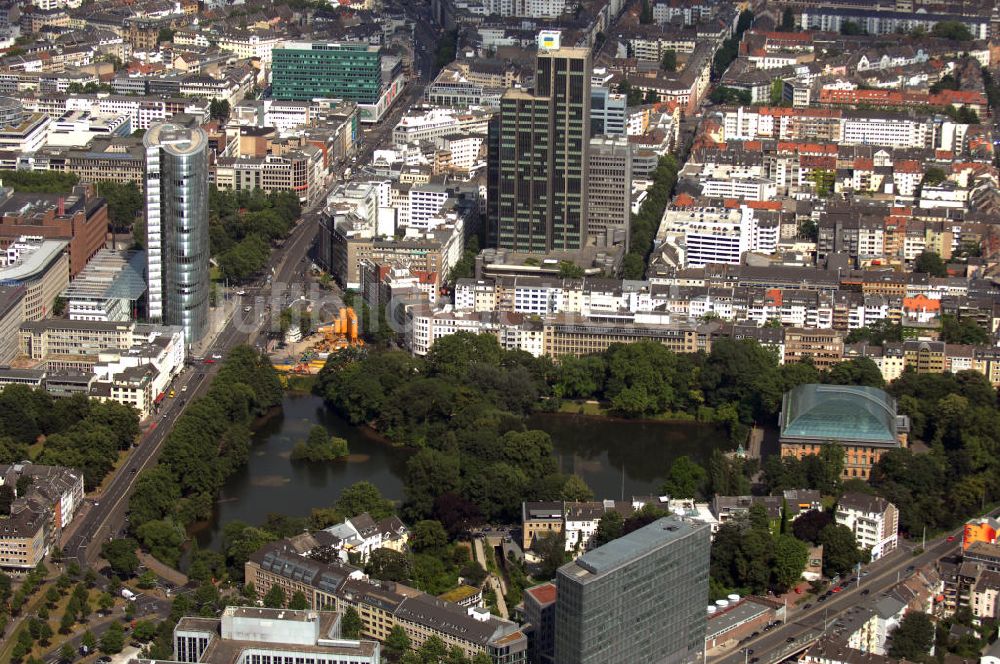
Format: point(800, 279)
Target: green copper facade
point(307, 70)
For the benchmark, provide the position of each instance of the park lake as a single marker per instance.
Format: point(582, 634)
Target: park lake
point(615, 457)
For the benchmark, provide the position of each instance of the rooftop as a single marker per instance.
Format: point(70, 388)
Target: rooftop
point(833, 413)
point(636, 544)
point(33, 263)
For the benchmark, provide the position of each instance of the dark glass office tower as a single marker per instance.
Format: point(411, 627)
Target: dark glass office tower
point(538, 149)
point(640, 598)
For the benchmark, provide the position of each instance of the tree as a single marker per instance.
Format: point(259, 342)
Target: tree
point(388, 565)
point(552, 550)
point(929, 262)
point(218, 109)
point(163, 539)
point(934, 175)
point(113, 639)
point(145, 630)
point(669, 61)
point(125, 201)
point(89, 640)
point(275, 597)
point(428, 537)
point(859, 371)
point(645, 12)
point(686, 479)
point(66, 653)
point(319, 446)
point(809, 525)
point(364, 497)
point(120, 554)
point(164, 35)
point(850, 28)
point(298, 601)
point(954, 30)
point(609, 527)
point(575, 489)
point(350, 625)
point(397, 643)
point(913, 637)
point(840, 550)
point(956, 330)
point(105, 601)
point(790, 558)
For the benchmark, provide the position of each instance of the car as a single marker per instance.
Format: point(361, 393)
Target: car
point(184, 388)
point(910, 568)
point(133, 470)
point(755, 635)
point(866, 591)
point(247, 309)
point(241, 292)
point(790, 639)
point(836, 590)
point(821, 598)
point(750, 650)
point(216, 356)
point(807, 606)
point(209, 360)
point(951, 538)
point(754, 660)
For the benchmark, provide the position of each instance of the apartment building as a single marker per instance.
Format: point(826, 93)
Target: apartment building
point(418, 126)
point(297, 565)
point(873, 520)
point(300, 171)
point(824, 348)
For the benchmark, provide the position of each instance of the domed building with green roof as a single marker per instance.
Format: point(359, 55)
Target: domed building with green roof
point(862, 420)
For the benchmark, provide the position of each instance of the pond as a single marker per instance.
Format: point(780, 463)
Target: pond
point(615, 457)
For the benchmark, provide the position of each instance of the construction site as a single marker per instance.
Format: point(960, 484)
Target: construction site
point(308, 355)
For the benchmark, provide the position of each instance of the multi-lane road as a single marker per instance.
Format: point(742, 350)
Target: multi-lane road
point(803, 626)
point(105, 516)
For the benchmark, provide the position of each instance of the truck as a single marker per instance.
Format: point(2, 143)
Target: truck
point(128, 594)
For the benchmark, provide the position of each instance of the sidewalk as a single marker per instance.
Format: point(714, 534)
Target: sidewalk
point(165, 572)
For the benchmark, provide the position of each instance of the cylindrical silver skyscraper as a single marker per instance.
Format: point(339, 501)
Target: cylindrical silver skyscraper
point(177, 237)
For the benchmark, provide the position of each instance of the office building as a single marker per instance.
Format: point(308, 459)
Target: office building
point(251, 635)
point(109, 288)
point(862, 420)
point(358, 72)
point(80, 218)
point(607, 111)
point(306, 70)
point(11, 317)
point(609, 191)
point(640, 598)
point(538, 148)
point(177, 241)
point(42, 268)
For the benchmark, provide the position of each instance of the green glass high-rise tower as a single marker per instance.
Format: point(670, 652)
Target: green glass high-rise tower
point(308, 70)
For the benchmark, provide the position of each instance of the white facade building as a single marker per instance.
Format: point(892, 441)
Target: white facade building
point(873, 520)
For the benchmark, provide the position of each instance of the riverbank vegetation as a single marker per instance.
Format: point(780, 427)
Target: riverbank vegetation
point(464, 407)
point(207, 444)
